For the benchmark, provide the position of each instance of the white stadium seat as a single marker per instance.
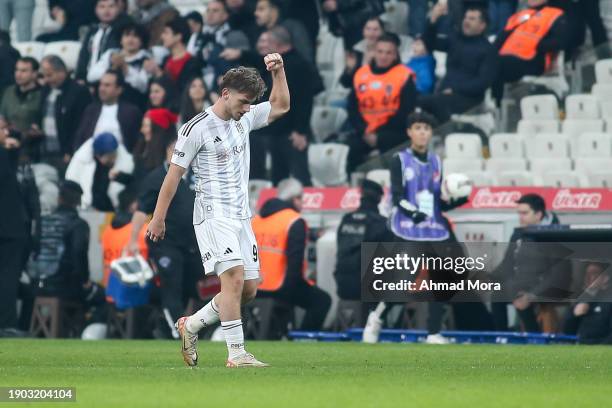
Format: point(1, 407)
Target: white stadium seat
point(325, 121)
point(514, 178)
point(591, 144)
point(463, 145)
point(497, 165)
point(327, 164)
point(68, 51)
point(563, 179)
point(507, 145)
point(454, 165)
point(548, 145)
point(591, 165)
point(582, 106)
point(255, 187)
point(34, 49)
point(574, 127)
point(540, 107)
point(540, 165)
point(330, 53)
point(603, 71)
point(600, 179)
point(396, 17)
point(481, 178)
point(530, 127)
point(603, 92)
point(380, 176)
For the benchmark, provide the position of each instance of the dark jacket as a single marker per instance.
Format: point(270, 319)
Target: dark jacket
point(471, 64)
point(9, 57)
point(191, 69)
point(352, 14)
point(13, 211)
point(393, 132)
point(296, 244)
point(363, 225)
point(111, 40)
point(22, 109)
point(595, 327)
point(69, 108)
point(129, 117)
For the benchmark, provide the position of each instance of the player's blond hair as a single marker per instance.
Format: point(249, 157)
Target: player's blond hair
point(244, 80)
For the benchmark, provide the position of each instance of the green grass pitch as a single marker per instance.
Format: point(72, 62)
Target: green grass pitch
point(130, 374)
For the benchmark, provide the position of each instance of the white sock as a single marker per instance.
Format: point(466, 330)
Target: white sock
point(204, 317)
point(234, 337)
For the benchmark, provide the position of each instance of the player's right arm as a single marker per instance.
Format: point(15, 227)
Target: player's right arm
point(157, 226)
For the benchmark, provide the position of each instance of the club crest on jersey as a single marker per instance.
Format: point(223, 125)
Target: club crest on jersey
point(240, 128)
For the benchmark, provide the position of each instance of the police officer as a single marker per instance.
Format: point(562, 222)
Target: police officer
point(362, 225)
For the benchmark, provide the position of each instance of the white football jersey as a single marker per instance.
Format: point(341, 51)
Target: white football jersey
point(218, 152)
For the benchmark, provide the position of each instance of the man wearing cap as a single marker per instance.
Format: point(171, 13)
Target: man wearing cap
point(91, 167)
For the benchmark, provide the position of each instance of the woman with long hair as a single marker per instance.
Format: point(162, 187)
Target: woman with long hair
point(162, 94)
point(194, 100)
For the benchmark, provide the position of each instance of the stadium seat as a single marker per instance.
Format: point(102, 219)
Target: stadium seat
point(507, 145)
point(330, 53)
point(600, 179)
point(255, 187)
point(530, 127)
point(463, 145)
point(325, 121)
point(591, 144)
point(381, 176)
point(541, 166)
point(454, 165)
point(548, 145)
point(497, 165)
point(327, 164)
point(562, 179)
point(481, 178)
point(68, 51)
point(539, 107)
point(32, 49)
point(603, 92)
point(603, 71)
point(396, 17)
point(440, 58)
point(514, 178)
point(582, 106)
point(554, 78)
point(592, 165)
point(575, 127)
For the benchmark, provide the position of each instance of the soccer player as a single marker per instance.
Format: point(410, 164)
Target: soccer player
point(216, 144)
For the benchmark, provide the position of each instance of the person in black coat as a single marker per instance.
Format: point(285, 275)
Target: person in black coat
point(9, 57)
point(471, 64)
point(347, 17)
point(64, 101)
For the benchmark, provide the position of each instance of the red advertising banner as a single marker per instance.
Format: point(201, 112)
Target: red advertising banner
point(557, 199)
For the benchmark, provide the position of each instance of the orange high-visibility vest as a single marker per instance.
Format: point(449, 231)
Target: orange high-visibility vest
point(530, 27)
point(113, 243)
point(272, 234)
point(378, 95)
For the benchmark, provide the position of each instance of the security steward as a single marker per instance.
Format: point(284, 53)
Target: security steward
point(529, 43)
point(383, 95)
point(177, 257)
point(365, 224)
point(281, 237)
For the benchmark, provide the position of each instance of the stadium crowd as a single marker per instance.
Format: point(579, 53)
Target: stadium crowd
point(98, 136)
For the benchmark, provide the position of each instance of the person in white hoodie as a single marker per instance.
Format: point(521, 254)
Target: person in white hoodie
point(94, 167)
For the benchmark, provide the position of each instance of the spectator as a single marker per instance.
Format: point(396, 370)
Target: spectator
point(64, 101)
point(158, 130)
point(195, 99)
point(94, 167)
point(196, 23)
point(129, 60)
point(67, 30)
point(362, 53)
point(154, 15)
point(383, 95)
point(500, 12)
point(216, 36)
point(177, 256)
point(365, 224)
point(100, 37)
point(21, 11)
point(242, 17)
point(116, 235)
point(528, 277)
point(423, 64)
point(110, 114)
point(580, 14)
point(9, 57)
point(471, 64)
point(82, 12)
point(417, 17)
point(180, 66)
point(269, 14)
point(347, 17)
point(591, 316)
point(13, 237)
point(162, 94)
point(529, 43)
point(21, 102)
point(288, 136)
point(281, 237)
point(307, 12)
